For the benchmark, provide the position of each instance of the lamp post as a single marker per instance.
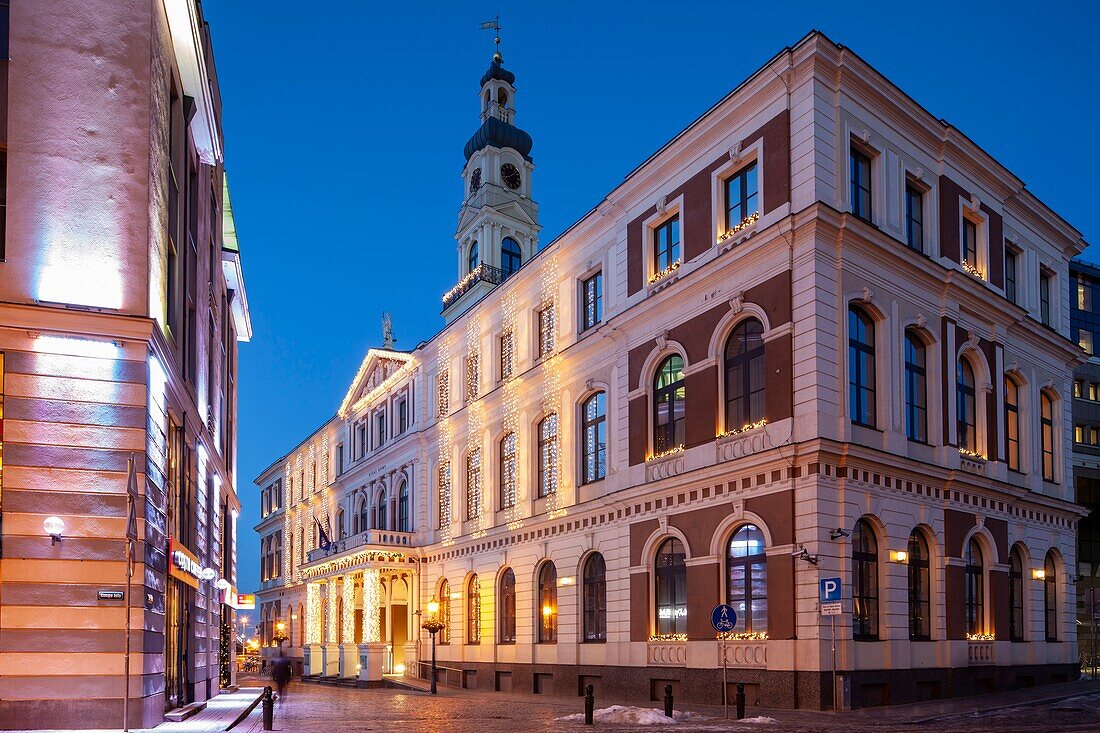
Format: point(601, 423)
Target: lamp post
point(433, 626)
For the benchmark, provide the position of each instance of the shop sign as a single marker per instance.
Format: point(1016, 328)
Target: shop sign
point(111, 595)
point(182, 564)
point(245, 602)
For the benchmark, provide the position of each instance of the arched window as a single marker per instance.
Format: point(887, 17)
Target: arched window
point(745, 374)
point(594, 589)
point(445, 612)
point(747, 579)
point(473, 611)
point(341, 531)
point(1046, 429)
point(1012, 424)
point(920, 588)
point(382, 510)
point(508, 471)
point(671, 587)
point(668, 405)
point(548, 604)
point(864, 582)
point(965, 409)
point(975, 588)
point(361, 515)
point(472, 260)
point(301, 625)
point(548, 455)
point(1050, 598)
point(508, 607)
point(1016, 595)
point(861, 367)
point(265, 553)
point(916, 388)
point(510, 256)
point(403, 507)
point(594, 438)
point(502, 97)
point(277, 563)
point(473, 484)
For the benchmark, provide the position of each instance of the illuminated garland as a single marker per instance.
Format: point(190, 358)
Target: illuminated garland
point(510, 407)
point(743, 636)
point(972, 270)
point(972, 455)
point(744, 428)
point(324, 460)
point(979, 637)
point(668, 637)
point(665, 272)
point(665, 453)
point(346, 407)
point(551, 384)
point(349, 562)
point(372, 606)
point(444, 428)
point(313, 613)
point(348, 620)
point(312, 467)
point(333, 622)
point(474, 424)
point(288, 535)
point(747, 222)
point(473, 275)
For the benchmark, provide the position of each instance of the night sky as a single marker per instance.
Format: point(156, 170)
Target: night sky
point(345, 121)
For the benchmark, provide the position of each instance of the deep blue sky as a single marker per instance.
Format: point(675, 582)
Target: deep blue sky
point(345, 121)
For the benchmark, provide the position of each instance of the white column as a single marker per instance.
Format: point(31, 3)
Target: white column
point(349, 652)
point(372, 650)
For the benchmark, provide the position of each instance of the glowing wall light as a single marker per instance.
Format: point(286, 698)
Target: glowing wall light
point(77, 346)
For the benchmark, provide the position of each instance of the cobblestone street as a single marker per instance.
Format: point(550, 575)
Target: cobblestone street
point(308, 708)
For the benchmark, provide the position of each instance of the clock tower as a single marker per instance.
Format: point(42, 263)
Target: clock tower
point(498, 221)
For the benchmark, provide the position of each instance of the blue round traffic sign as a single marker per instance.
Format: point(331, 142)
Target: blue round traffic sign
point(723, 618)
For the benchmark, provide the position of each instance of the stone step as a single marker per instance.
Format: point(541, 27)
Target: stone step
point(183, 713)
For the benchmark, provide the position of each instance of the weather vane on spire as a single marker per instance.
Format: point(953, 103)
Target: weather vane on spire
point(493, 25)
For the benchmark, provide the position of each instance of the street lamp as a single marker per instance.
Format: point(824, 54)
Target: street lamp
point(433, 626)
point(280, 634)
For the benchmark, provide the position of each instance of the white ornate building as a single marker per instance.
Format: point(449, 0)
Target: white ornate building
point(820, 333)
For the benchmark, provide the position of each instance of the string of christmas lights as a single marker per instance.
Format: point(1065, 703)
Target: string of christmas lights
point(333, 621)
point(444, 428)
point(349, 610)
point(551, 382)
point(510, 489)
point(288, 536)
point(474, 425)
point(372, 605)
point(313, 613)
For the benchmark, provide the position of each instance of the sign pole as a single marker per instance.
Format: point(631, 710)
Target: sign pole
point(832, 635)
point(725, 685)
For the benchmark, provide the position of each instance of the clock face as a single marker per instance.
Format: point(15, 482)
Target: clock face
point(510, 176)
point(475, 180)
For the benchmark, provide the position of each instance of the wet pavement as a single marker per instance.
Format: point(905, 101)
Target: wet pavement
point(309, 708)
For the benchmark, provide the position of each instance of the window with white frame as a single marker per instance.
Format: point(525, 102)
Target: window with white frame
point(914, 216)
point(546, 330)
point(742, 200)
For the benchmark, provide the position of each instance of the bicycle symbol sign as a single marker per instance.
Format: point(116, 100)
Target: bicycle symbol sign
point(723, 618)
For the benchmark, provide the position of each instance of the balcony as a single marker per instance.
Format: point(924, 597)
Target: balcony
point(482, 273)
point(374, 537)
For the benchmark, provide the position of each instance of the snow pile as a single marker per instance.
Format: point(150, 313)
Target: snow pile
point(758, 719)
point(631, 715)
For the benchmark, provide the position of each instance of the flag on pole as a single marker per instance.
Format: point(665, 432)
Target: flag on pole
point(325, 544)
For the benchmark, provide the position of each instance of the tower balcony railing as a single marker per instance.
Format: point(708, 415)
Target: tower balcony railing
point(383, 537)
point(482, 273)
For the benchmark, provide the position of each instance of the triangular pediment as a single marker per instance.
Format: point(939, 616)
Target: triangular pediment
point(502, 212)
point(380, 368)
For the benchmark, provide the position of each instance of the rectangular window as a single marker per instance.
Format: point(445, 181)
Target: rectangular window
point(970, 243)
point(1093, 387)
point(546, 331)
point(339, 458)
point(402, 415)
point(1078, 388)
point(361, 434)
point(5, 28)
point(1079, 434)
point(380, 428)
point(666, 245)
point(914, 217)
point(592, 306)
point(507, 355)
point(1084, 295)
point(1084, 338)
point(1044, 298)
point(741, 196)
point(861, 185)
point(472, 378)
point(1094, 436)
point(1010, 275)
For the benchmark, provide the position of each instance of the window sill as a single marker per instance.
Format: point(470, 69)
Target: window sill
point(594, 641)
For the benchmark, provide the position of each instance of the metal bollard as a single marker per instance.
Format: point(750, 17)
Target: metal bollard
point(740, 700)
point(268, 703)
point(668, 701)
point(589, 704)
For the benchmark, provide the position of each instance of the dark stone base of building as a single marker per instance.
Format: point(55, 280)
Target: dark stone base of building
point(80, 713)
point(763, 688)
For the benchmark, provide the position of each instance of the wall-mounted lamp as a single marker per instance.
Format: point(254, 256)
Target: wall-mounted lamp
point(837, 533)
point(803, 554)
point(565, 580)
point(1039, 574)
point(54, 527)
point(547, 611)
point(899, 556)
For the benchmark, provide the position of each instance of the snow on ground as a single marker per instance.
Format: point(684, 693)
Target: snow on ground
point(759, 719)
point(631, 715)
